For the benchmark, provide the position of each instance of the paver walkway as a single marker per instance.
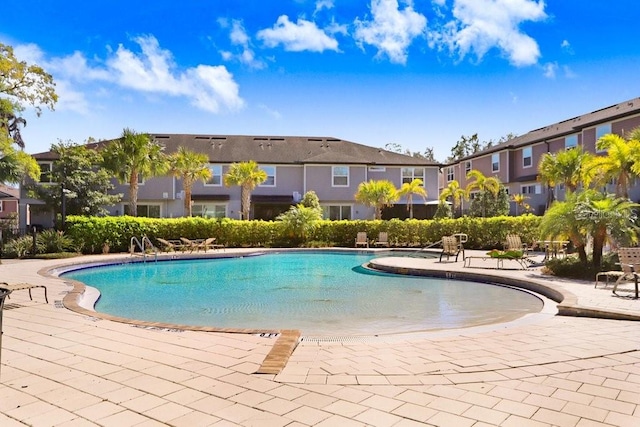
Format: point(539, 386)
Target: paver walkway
point(69, 369)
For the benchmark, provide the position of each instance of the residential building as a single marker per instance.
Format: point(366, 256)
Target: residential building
point(332, 168)
point(515, 162)
point(8, 207)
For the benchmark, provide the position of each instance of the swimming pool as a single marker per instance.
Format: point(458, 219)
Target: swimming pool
point(319, 293)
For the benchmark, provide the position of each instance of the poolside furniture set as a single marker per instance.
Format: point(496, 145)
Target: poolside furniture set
point(362, 240)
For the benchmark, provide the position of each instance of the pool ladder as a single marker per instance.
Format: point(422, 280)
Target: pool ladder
point(143, 244)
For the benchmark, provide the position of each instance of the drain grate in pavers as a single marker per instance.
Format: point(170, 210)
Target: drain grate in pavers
point(12, 306)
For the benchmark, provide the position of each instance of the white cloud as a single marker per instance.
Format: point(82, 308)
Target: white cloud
point(550, 69)
point(480, 25)
point(239, 37)
point(566, 46)
point(392, 30)
point(272, 113)
point(297, 37)
point(323, 4)
point(568, 72)
point(210, 88)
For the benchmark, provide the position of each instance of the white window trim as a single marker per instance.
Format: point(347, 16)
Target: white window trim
point(566, 147)
point(450, 176)
point(1, 205)
point(530, 157)
point(498, 162)
point(537, 189)
point(225, 205)
point(275, 173)
point(208, 184)
point(333, 176)
point(340, 205)
point(50, 173)
point(467, 169)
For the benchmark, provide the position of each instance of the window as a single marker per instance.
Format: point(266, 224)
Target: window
point(601, 131)
point(1, 206)
point(495, 162)
point(531, 189)
point(409, 174)
point(141, 180)
point(336, 212)
point(340, 175)
point(271, 176)
point(473, 195)
point(467, 167)
point(46, 176)
point(209, 210)
point(570, 141)
point(450, 175)
point(149, 211)
point(216, 175)
point(527, 160)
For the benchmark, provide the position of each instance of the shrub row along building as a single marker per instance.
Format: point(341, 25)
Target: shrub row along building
point(333, 169)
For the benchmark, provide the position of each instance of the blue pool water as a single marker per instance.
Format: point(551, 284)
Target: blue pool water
point(319, 293)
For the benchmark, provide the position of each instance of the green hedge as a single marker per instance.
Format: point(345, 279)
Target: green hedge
point(91, 233)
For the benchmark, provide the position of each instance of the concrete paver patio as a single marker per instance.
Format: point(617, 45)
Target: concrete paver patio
point(65, 368)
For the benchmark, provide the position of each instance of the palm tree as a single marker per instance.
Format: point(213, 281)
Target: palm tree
point(409, 189)
point(132, 157)
point(247, 175)
point(560, 222)
point(618, 163)
point(190, 167)
point(455, 192)
point(484, 184)
point(565, 167)
point(377, 194)
point(602, 216)
point(521, 202)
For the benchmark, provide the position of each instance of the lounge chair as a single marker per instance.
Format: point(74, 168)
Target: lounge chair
point(629, 259)
point(168, 246)
point(514, 243)
point(383, 239)
point(450, 247)
point(209, 243)
point(362, 239)
point(21, 286)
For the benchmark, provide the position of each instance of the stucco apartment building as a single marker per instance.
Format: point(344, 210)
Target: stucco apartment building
point(515, 162)
point(331, 167)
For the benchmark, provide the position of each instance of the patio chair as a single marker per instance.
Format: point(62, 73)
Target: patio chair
point(362, 239)
point(514, 243)
point(383, 239)
point(630, 259)
point(208, 244)
point(450, 247)
point(188, 244)
point(22, 286)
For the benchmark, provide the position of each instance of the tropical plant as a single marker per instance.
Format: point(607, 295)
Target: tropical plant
point(247, 175)
point(408, 189)
point(190, 167)
point(377, 194)
point(132, 157)
point(51, 241)
point(454, 192)
point(443, 210)
point(618, 162)
point(561, 223)
point(299, 221)
point(566, 167)
point(483, 185)
point(21, 247)
point(521, 203)
point(311, 200)
point(605, 217)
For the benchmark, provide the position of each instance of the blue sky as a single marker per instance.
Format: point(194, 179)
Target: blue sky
point(417, 73)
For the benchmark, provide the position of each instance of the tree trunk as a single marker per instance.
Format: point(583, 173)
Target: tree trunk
point(133, 194)
point(599, 237)
point(186, 186)
point(246, 202)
